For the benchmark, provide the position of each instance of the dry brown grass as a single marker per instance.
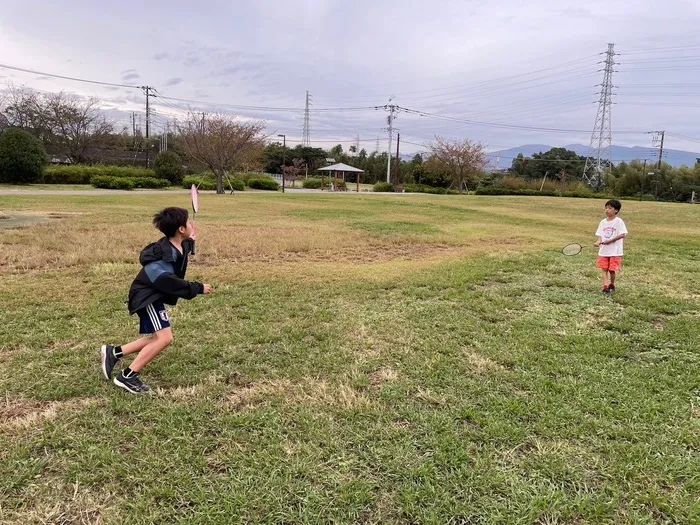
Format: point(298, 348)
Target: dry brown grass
point(309, 392)
point(256, 229)
point(481, 364)
point(63, 504)
point(20, 414)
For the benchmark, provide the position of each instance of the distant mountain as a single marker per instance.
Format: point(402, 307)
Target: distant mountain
point(618, 153)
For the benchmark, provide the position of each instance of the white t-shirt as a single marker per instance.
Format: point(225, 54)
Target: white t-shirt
point(607, 230)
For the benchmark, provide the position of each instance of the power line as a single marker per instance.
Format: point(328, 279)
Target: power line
point(501, 125)
point(5, 66)
point(267, 108)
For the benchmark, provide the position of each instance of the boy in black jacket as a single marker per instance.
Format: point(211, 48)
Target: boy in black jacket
point(161, 281)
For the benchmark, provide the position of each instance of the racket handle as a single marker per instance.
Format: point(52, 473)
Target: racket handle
point(192, 249)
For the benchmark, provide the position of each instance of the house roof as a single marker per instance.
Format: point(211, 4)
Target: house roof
point(341, 167)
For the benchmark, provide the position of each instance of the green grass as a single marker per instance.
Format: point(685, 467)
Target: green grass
point(367, 359)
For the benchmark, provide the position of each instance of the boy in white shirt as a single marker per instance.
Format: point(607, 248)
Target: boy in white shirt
point(611, 233)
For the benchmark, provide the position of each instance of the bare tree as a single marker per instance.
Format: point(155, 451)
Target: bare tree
point(67, 124)
point(78, 126)
point(294, 171)
point(464, 160)
point(220, 142)
point(22, 109)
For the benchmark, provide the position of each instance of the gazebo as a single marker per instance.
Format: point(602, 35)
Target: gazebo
point(341, 168)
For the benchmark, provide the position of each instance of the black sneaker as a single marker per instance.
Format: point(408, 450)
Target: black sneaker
point(607, 292)
point(132, 384)
point(611, 288)
point(108, 360)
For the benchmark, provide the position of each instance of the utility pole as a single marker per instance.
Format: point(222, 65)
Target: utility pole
point(284, 156)
point(147, 92)
point(377, 148)
point(398, 160)
point(390, 121)
point(644, 176)
point(133, 123)
point(661, 149)
point(601, 139)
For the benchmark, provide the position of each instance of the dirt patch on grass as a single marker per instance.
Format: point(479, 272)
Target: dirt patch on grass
point(17, 414)
point(21, 219)
point(383, 375)
point(313, 392)
point(480, 363)
point(65, 504)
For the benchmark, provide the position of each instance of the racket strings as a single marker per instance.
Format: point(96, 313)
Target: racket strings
point(572, 249)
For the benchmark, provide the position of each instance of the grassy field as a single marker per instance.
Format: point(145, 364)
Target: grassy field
point(365, 359)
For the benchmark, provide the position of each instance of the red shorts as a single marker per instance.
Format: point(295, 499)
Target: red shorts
point(612, 264)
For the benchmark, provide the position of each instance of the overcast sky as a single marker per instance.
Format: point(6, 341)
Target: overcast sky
point(527, 63)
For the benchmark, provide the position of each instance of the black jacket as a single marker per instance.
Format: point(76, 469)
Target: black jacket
point(162, 277)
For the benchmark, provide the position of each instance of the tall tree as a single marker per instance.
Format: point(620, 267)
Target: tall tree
point(557, 163)
point(67, 124)
point(220, 142)
point(78, 126)
point(464, 160)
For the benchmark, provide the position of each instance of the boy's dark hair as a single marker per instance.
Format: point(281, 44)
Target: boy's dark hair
point(614, 203)
point(169, 220)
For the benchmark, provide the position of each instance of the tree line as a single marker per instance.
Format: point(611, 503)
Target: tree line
point(78, 130)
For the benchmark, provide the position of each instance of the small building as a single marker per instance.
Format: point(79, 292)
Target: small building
point(341, 169)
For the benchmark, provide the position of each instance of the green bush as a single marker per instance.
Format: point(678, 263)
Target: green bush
point(338, 184)
point(263, 183)
point(237, 184)
point(498, 190)
point(22, 157)
point(204, 181)
point(168, 165)
point(66, 175)
point(112, 183)
point(147, 182)
point(383, 187)
point(207, 181)
point(245, 177)
point(312, 183)
point(83, 173)
point(422, 188)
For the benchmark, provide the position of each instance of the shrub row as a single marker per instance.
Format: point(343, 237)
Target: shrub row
point(422, 188)
point(127, 183)
point(383, 187)
point(206, 182)
point(582, 194)
point(312, 183)
point(263, 183)
point(83, 173)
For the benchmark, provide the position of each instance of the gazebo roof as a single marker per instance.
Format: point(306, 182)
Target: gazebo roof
point(341, 167)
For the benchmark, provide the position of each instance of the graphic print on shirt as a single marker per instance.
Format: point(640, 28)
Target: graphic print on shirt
point(609, 233)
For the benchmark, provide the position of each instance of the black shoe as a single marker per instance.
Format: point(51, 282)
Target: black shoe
point(611, 288)
point(607, 292)
point(132, 384)
point(108, 360)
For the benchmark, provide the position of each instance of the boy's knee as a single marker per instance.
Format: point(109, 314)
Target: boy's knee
point(165, 338)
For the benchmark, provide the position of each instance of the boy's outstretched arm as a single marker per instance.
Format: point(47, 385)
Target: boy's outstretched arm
point(164, 280)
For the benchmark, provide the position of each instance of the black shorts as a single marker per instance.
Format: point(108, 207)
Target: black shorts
point(154, 318)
